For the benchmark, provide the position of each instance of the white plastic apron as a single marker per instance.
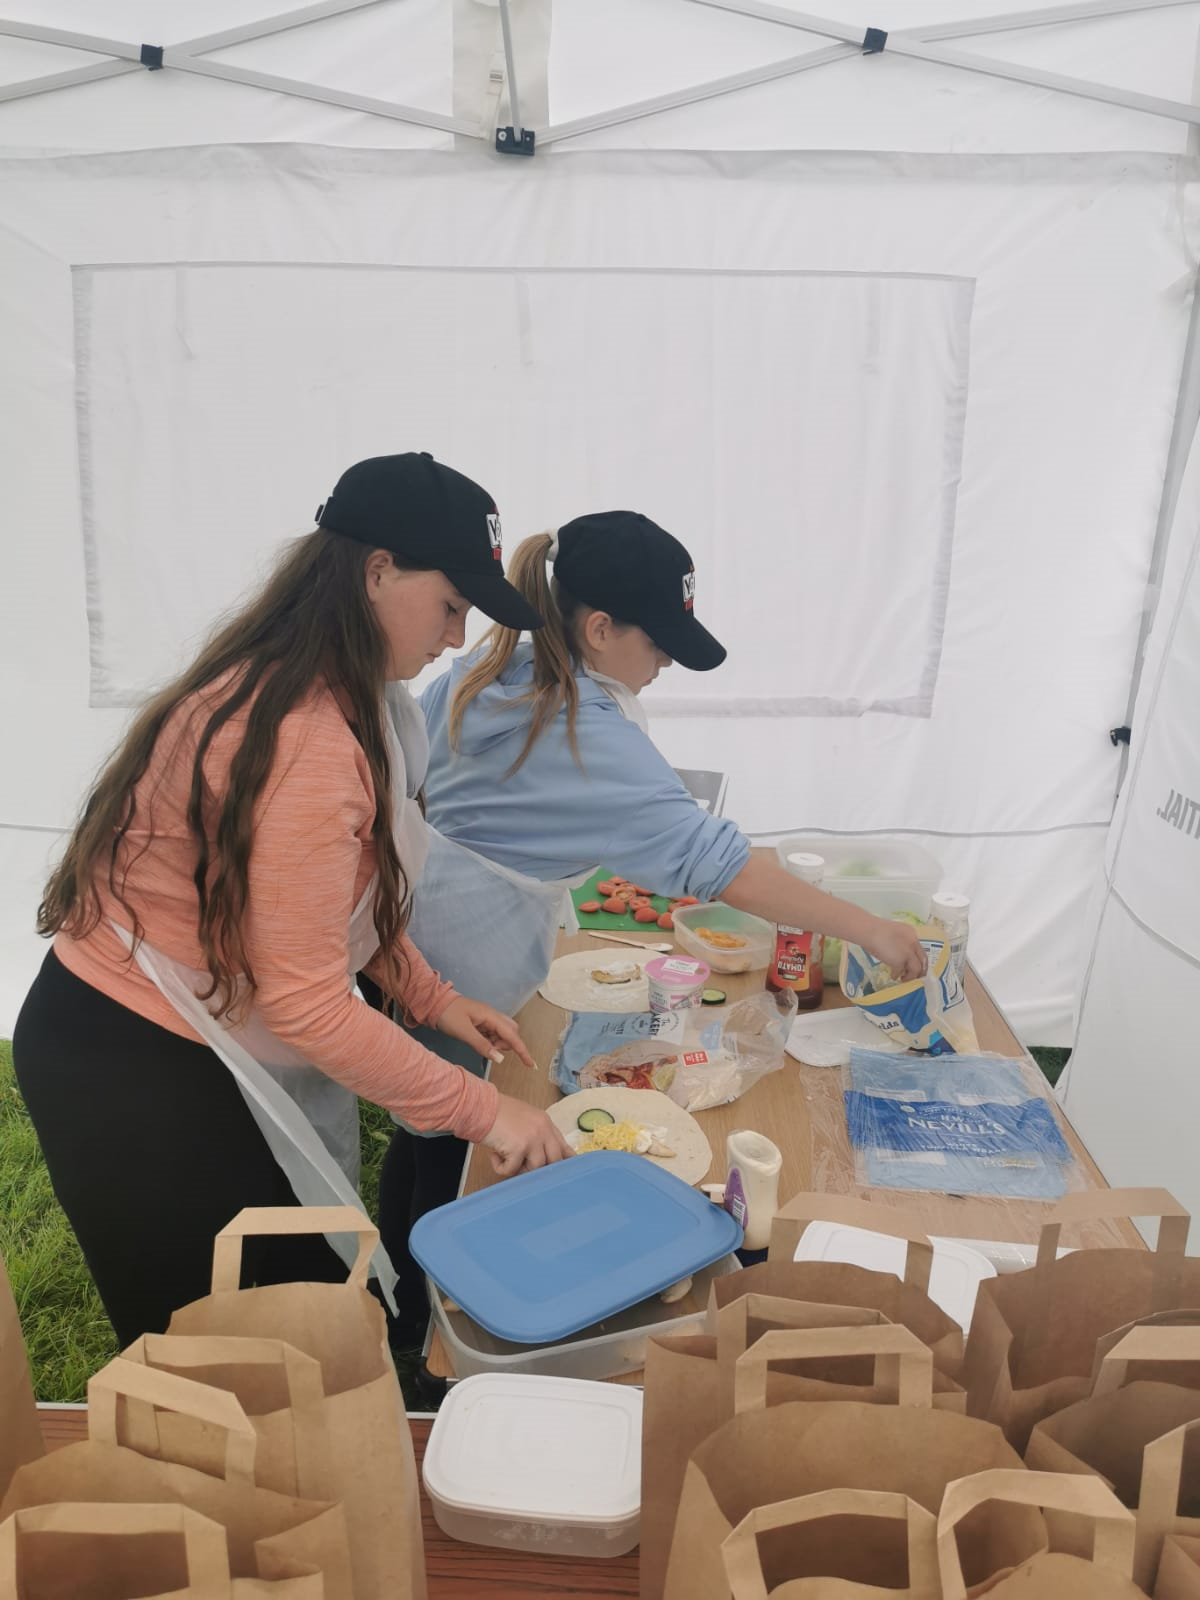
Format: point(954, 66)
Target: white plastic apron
point(487, 929)
point(309, 1120)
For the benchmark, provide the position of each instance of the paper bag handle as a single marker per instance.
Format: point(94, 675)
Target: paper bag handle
point(172, 1393)
point(790, 1221)
point(1113, 1530)
point(205, 1550)
point(1145, 1344)
point(889, 1341)
point(1158, 1501)
point(301, 1375)
point(1090, 1205)
point(277, 1220)
point(743, 1564)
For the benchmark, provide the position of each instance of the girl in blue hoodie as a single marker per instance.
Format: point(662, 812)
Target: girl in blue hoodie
point(540, 763)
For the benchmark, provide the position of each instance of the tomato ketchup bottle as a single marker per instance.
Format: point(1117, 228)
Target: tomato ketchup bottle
point(796, 961)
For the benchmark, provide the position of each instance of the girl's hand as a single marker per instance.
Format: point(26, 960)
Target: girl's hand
point(522, 1138)
point(484, 1028)
point(897, 946)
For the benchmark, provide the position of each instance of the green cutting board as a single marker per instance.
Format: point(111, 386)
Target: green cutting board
point(604, 920)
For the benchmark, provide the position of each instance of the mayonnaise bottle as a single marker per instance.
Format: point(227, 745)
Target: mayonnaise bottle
point(752, 1184)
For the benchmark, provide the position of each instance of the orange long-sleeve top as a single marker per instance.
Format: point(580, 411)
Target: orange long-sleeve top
point(312, 858)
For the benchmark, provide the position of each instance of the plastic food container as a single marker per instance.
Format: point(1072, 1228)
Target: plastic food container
point(880, 875)
point(675, 982)
point(550, 1465)
point(605, 1350)
point(751, 956)
point(957, 1270)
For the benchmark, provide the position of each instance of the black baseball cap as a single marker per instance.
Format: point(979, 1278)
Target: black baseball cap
point(622, 563)
point(434, 517)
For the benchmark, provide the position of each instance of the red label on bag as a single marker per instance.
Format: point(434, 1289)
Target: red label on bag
point(696, 1058)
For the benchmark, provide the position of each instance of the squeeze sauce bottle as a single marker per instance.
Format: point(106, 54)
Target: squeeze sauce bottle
point(797, 961)
point(752, 1185)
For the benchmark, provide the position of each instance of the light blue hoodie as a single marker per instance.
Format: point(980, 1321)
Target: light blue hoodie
point(624, 810)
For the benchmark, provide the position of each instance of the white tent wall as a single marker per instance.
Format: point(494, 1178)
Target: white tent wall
point(1135, 1053)
point(911, 413)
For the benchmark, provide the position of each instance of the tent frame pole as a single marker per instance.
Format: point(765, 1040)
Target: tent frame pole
point(188, 56)
point(919, 43)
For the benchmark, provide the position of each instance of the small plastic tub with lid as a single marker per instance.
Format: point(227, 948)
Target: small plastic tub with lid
point(728, 939)
point(551, 1465)
point(675, 983)
point(883, 876)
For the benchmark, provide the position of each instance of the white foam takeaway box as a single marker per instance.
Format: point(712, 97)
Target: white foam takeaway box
point(550, 1465)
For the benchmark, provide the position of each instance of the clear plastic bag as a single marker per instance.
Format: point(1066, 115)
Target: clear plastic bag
point(699, 1058)
point(930, 1015)
point(978, 1125)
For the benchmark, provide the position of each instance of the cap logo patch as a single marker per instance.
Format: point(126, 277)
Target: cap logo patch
point(493, 527)
point(689, 590)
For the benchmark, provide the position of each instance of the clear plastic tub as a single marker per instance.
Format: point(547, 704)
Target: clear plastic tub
point(550, 1465)
point(605, 1350)
point(750, 957)
point(883, 876)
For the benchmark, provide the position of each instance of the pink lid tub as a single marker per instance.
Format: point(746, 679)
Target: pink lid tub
point(675, 982)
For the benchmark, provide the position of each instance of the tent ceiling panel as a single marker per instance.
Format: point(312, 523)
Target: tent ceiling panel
point(398, 52)
point(909, 105)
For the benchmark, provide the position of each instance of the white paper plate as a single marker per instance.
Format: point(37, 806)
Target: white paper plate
point(650, 1109)
point(958, 1268)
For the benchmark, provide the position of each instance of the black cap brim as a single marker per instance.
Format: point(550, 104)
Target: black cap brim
point(496, 598)
point(690, 644)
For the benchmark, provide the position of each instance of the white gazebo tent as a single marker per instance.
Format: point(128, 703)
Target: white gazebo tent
point(892, 324)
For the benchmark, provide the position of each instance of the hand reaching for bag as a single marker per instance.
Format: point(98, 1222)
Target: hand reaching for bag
point(484, 1028)
point(896, 944)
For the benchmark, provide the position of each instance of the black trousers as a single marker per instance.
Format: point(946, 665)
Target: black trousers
point(151, 1150)
point(417, 1175)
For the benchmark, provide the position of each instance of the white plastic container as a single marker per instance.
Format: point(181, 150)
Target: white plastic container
point(880, 875)
point(550, 1465)
point(612, 1347)
point(753, 954)
point(957, 1270)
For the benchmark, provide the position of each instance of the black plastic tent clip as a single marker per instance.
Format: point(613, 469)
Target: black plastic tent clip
point(152, 57)
point(509, 144)
point(1120, 735)
point(874, 41)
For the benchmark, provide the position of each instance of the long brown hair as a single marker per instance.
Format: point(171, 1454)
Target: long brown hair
point(310, 623)
point(555, 651)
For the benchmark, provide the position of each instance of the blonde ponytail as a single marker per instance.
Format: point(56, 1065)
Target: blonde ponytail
point(554, 651)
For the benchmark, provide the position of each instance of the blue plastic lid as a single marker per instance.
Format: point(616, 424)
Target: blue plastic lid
point(540, 1256)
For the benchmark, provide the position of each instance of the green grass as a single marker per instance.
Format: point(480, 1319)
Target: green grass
point(67, 1335)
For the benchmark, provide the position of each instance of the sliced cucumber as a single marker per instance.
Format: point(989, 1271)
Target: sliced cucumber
point(712, 997)
point(595, 1117)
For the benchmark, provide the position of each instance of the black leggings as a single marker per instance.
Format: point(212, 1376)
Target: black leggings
point(417, 1175)
point(151, 1150)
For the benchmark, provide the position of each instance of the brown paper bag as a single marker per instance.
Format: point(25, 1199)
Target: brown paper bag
point(158, 1552)
point(341, 1326)
point(1105, 1576)
point(20, 1434)
point(1185, 1374)
point(762, 1456)
point(1179, 1569)
point(1033, 1336)
point(688, 1388)
point(279, 1389)
point(859, 1544)
point(1118, 1435)
point(903, 1301)
point(267, 1533)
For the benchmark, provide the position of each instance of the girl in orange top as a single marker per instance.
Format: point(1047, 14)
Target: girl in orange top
point(249, 846)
